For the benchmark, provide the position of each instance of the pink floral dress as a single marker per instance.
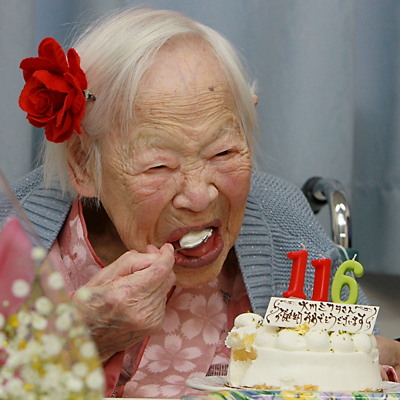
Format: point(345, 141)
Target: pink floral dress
point(191, 342)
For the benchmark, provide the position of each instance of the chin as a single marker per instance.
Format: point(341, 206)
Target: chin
point(191, 278)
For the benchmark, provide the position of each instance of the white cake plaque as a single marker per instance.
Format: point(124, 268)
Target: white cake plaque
point(291, 312)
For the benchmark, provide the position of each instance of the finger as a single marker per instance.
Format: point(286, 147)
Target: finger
point(158, 277)
point(127, 264)
point(152, 249)
point(164, 262)
point(167, 247)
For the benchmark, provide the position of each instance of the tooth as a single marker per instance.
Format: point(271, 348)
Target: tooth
point(193, 239)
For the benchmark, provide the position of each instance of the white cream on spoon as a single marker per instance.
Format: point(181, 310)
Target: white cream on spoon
point(194, 239)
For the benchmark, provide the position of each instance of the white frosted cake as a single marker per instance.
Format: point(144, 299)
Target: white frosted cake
point(273, 358)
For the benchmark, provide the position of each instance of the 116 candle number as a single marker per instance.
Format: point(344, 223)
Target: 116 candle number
point(322, 277)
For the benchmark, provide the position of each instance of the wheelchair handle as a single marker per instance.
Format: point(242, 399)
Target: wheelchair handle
point(320, 191)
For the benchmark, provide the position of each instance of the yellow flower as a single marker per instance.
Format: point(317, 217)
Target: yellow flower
point(13, 321)
point(28, 387)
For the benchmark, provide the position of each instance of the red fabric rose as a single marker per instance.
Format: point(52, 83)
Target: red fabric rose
point(53, 93)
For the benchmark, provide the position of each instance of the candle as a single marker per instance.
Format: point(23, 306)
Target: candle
point(321, 279)
point(341, 279)
point(299, 264)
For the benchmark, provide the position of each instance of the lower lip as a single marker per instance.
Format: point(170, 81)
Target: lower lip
point(206, 259)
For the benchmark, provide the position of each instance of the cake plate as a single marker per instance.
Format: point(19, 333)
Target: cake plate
point(213, 388)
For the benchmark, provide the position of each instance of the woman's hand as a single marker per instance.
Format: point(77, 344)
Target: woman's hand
point(389, 353)
point(125, 302)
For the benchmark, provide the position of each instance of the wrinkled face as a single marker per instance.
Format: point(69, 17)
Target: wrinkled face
point(185, 165)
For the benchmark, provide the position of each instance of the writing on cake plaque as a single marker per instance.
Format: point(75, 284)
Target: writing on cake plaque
point(291, 312)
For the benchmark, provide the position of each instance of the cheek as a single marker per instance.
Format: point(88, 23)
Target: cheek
point(147, 205)
point(235, 186)
point(236, 189)
point(151, 192)
point(135, 206)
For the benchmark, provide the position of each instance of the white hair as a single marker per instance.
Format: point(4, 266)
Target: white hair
point(115, 54)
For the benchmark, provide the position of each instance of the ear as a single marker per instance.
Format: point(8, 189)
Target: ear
point(79, 166)
point(255, 99)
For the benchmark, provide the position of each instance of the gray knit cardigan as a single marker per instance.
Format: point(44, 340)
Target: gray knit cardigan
point(278, 220)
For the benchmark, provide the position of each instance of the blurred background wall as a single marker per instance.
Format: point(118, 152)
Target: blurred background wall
point(327, 74)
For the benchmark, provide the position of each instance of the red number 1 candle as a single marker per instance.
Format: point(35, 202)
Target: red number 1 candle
point(321, 279)
point(297, 276)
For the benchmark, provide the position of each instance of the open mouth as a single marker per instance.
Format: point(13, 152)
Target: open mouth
point(194, 239)
point(207, 246)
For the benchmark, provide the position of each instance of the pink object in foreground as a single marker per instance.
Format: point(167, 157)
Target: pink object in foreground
point(17, 269)
point(390, 373)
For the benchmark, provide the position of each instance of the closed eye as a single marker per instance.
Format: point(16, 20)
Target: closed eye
point(156, 168)
point(222, 153)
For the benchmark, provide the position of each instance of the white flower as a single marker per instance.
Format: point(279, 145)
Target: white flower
point(43, 305)
point(23, 332)
point(80, 369)
point(63, 322)
point(53, 379)
point(52, 345)
point(95, 379)
point(33, 349)
point(24, 318)
point(3, 340)
point(16, 358)
point(38, 322)
point(6, 372)
point(74, 384)
point(38, 254)
point(56, 281)
point(64, 308)
point(20, 288)
point(83, 294)
point(14, 385)
point(76, 331)
point(29, 374)
point(88, 350)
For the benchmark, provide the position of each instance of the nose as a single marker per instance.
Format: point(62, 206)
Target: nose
point(196, 193)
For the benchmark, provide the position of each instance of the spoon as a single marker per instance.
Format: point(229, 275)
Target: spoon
point(205, 235)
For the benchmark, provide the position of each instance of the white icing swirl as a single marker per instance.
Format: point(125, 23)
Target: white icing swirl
point(290, 340)
point(342, 342)
point(317, 340)
point(248, 319)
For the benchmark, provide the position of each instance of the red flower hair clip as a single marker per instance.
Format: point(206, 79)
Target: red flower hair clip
point(55, 91)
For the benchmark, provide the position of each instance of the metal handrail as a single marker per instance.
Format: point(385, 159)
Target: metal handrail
point(320, 191)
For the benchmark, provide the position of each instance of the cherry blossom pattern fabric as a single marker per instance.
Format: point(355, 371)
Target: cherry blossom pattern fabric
point(192, 339)
point(191, 342)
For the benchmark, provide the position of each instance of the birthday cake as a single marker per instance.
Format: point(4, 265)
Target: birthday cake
point(300, 358)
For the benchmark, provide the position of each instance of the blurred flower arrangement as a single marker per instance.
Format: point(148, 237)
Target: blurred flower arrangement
point(46, 352)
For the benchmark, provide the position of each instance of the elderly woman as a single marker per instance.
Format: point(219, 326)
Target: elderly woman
point(149, 150)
